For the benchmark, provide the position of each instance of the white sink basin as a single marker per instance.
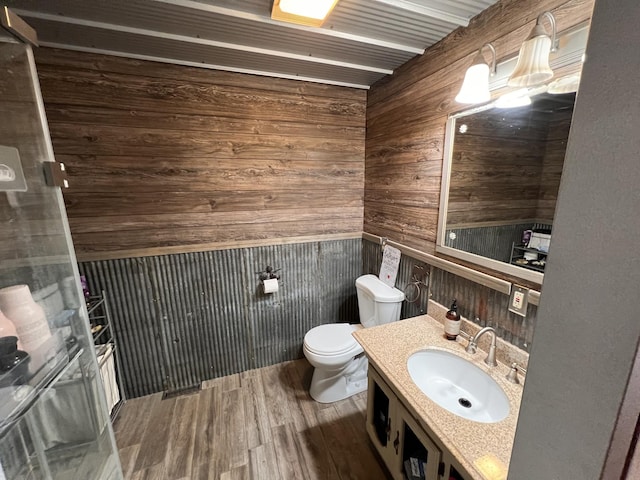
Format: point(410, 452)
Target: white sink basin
point(458, 385)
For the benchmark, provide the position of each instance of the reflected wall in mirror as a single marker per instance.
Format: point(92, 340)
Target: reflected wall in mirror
point(503, 176)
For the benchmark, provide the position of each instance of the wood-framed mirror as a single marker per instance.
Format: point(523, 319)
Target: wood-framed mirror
point(500, 183)
point(502, 169)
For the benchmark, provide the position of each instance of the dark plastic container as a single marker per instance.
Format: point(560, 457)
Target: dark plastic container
point(8, 345)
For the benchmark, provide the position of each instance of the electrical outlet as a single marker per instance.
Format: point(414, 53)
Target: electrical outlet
point(519, 300)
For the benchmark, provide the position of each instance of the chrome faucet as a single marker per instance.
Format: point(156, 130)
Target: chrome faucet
point(473, 345)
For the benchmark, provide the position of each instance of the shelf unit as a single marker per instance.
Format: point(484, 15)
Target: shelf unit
point(104, 339)
point(25, 382)
point(517, 253)
point(47, 429)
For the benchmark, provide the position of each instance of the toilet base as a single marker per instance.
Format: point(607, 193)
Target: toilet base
point(328, 386)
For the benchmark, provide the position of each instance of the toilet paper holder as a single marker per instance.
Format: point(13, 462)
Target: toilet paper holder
point(269, 273)
point(271, 277)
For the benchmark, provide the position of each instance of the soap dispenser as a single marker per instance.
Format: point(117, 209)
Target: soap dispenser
point(452, 323)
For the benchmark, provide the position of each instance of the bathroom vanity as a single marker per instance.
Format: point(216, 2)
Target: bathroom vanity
point(410, 431)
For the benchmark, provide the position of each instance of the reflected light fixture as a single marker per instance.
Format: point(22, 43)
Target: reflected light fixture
point(475, 86)
point(515, 99)
point(533, 67)
point(568, 84)
point(304, 12)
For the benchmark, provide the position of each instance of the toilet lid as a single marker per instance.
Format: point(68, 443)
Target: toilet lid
point(332, 338)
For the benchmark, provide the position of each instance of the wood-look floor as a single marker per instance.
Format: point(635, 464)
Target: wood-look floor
point(260, 424)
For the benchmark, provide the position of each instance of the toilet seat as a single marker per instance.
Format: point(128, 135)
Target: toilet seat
point(332, 339)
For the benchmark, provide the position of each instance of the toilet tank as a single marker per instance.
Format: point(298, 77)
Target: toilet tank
point(378, 303)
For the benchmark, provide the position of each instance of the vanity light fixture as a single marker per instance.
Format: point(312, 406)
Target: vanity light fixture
point(475, 86)
point(303, 12)
point(533, 60)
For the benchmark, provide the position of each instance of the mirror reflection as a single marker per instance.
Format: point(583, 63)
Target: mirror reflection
point(504, 174)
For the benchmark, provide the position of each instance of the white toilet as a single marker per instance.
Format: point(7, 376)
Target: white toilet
point(339, 361)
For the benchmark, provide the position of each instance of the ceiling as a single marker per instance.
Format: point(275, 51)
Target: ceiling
point(361, 41)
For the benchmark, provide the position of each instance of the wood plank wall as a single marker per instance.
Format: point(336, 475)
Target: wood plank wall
point(407, 113)
point(167, 159)
point(553, 161)
point(506, 167)
point(496, 169)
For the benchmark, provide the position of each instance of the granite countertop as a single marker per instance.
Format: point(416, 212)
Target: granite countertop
point(483, 449)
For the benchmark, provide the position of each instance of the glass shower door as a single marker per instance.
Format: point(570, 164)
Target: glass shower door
point(54, 422)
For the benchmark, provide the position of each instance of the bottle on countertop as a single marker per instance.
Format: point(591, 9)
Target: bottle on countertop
point(452, 323)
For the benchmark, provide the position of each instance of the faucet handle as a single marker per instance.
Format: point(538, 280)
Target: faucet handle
point(471, 347)
point(512, 376)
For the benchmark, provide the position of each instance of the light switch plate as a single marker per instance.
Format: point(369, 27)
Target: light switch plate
point(519, 300)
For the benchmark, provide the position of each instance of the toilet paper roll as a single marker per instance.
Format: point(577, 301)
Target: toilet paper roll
point(270, 286)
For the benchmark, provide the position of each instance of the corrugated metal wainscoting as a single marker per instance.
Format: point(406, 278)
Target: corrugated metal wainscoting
point(475, 302)
point(185, 318)
point(485, 306)
point(493, 242)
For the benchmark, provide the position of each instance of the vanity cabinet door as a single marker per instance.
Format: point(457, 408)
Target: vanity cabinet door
point(453, 470)
point(382, 425)
point(421, 458)
point(404, 447)
point(454, 474)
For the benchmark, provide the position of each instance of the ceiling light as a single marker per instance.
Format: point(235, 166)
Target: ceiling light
point(518, 98)
point(475, 86)
point(568, 84)
point(533, 60)
point(303, 12)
